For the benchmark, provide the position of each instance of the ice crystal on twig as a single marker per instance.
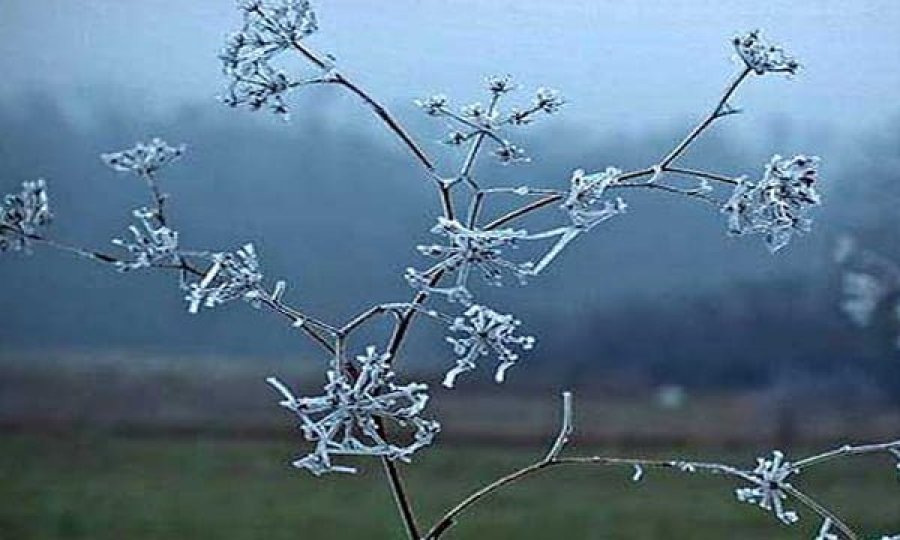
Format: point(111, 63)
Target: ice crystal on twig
point(347, 418)
point(23, 214)
point(229, 277)
point(270, 27)
point(776, 205)
point(485, 331)
point(770, 479)
point(585, 201)
point(487, 122)
point(150, 245)
point(144, 158)
point(763, 57)
point(470, 248)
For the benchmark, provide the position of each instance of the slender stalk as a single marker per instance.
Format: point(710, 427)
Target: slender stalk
point(820, 510)
point(702, 174)
point(401, 499)
point(380, 110)
point(705, 123)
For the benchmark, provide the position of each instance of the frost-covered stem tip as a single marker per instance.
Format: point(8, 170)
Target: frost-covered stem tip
point(566, 428)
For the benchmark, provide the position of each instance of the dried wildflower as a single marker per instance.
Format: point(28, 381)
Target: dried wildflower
point(548, 100)
point(488, 122)
point(470, 248)
point(270, 27)
point(509, 153)
point(151, 244)
point(432, 105)
point(144, 158)
point(500, 84)
point(775, 206)
point(485, 331)
point(763, 57)
point(770, 479)
point(230, 276)
point(585, 203)
point(344, 420)
point(22, 214)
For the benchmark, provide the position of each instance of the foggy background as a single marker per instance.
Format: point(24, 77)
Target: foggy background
point(660, 296)
point(123, 416)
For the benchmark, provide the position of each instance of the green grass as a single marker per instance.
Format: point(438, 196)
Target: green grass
point(103, 488)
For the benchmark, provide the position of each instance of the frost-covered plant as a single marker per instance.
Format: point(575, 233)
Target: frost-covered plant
point(348, 418)
point(363, 410)
point(769, 489)
point(776, 205)
point(23, 214)
point(484, 331)
point(763, 57)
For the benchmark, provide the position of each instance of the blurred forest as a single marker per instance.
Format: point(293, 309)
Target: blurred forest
point(659, 296)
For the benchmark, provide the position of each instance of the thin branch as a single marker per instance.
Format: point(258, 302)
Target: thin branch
point(846, 451)
point(380, 110)
point(566, 428)
point(702, 174)
point(820, 510)
point(709, 119)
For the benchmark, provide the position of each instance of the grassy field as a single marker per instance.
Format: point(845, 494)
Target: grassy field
point(105, 488)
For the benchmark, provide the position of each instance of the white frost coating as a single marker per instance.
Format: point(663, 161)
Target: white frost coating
point(484, 330)
point(344, 420)
point(638, 473)
point(476, 121)
point(467, 249)
point(775, 206)
point(566, 428)
point(763, 57)
point(144, 158)
point(270, 28)
point(23, 214)
point(230, 276)
point(770, 479)
point(585, 203)
point(150, 244)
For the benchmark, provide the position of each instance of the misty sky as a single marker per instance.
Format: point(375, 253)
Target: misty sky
point(618, 62)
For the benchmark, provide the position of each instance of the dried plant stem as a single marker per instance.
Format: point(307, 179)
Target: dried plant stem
point(553, 459)
point(402, 326)
point(380, 110)
point(717, 112)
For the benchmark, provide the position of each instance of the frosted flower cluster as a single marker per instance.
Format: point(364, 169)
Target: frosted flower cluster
point(770, 479)
point(229, 277)
point(585, 202)
point(23, 214)
point(776, 205)
point(270, 28)
point(487, 121)
point(150, 244)
point(346, 419)
point(144, 158)
point(763, 57)
point(468, 249)
point(484, 331)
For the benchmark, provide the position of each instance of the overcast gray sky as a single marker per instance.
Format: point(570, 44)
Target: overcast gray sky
point(622, 62)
